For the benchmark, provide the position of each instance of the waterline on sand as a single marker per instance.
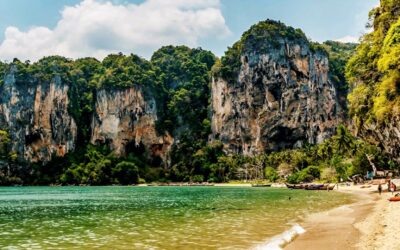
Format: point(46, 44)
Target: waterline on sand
point(157, 217)
point(279, 241)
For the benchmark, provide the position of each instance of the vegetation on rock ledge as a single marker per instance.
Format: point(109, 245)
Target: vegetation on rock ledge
point(180, 77)
point(374, 69)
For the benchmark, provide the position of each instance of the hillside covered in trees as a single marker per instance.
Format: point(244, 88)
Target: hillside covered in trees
point(178, 80)
point(374, 73)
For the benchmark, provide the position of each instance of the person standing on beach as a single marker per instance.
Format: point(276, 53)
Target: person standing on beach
point(392, 187)
point(380, 189)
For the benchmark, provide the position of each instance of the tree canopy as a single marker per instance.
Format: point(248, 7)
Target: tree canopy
point(374, 69)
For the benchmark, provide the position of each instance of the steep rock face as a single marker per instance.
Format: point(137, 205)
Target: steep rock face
point(281, 98)
point(386, 136)
point(36, 117)
point(125, 120)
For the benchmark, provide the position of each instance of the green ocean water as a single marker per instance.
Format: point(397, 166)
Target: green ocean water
point(152, 217)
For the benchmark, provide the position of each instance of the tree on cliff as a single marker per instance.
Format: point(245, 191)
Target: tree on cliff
point(4, 145)
point(184, 108)
point(7, 159)
point(374, 69)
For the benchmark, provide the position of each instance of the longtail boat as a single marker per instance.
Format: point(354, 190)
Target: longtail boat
point(295, 186)
point(316, 187)
point(311, 186)
point(261, 185)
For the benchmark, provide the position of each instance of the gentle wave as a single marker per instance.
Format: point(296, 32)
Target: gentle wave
point(280, 240)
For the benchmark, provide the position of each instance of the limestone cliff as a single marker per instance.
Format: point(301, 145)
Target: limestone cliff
point(386, 136)
point(36, 117)
point(125, 120)
point(275, 95)
point(280, 96)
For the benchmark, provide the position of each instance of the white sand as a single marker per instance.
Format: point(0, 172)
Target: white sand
point(371, 223)
point(381, 228)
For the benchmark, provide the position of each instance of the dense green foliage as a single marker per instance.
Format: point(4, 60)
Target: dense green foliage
point(99, 167)
point(339, 54)
point(265, 34)
point(4, 144)
point(374, 69)
point(3, 70)
point(125, 71)
point(7, 159)
point(305, 175)
point(271, 174)
point(339, 157)
point(336, 158)
point(180, 77)
point(343, 155)
point(82, 95)
point(185, 77)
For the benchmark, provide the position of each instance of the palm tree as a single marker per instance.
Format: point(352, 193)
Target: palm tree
point(343, 140)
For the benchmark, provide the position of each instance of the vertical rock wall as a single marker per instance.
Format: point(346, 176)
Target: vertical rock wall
point(281, 98)
point(125, 120)
point(36, 117)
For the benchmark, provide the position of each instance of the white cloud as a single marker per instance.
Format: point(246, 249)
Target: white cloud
point(97, 28)
point(348, 39)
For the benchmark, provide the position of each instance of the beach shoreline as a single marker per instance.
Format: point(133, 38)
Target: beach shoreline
point(368, 223)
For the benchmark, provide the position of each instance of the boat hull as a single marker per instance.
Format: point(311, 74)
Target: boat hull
point(261, 185)
point(396, 198)
point(311, 186)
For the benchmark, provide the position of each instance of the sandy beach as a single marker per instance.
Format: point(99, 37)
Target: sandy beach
point(369, 223)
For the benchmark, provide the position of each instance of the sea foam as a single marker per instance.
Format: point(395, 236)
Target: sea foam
point(278, 241)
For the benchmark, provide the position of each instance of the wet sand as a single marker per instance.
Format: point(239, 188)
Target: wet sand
point(353, 226)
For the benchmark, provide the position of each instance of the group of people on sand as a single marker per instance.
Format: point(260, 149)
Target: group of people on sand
point(391, 188)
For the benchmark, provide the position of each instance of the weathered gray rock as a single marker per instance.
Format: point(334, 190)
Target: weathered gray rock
point(36, 117)
point(125, 120)
point(385, 135)
point(281, 98)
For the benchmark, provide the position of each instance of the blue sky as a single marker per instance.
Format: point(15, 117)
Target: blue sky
point(34, 28)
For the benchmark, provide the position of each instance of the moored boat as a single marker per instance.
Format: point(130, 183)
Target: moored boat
point(311, 186)
point(261, 185)
point(295, 186)
point(395, 198)
point(291, 186)
point(201, 184)
point(315, 187)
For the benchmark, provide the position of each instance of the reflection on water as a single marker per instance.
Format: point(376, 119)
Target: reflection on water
point(151, 217)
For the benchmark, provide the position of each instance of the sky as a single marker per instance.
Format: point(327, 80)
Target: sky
point(31, 29)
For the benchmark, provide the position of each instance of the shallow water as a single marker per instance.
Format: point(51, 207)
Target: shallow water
point(152, 217)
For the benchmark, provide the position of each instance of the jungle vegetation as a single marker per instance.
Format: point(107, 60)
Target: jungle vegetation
point(180, 78)
point(374, 70)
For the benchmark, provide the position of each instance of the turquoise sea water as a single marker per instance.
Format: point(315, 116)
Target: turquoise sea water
point(152, 217)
